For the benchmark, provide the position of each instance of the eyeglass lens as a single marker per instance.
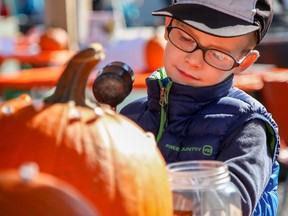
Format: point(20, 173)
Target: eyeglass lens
point(185, 42)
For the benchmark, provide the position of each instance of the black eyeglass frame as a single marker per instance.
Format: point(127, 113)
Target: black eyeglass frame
point(204, 50)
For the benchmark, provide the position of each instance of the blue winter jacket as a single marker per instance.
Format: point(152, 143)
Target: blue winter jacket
point(191, 123)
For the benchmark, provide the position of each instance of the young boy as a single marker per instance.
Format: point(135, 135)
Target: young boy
point(192, 107)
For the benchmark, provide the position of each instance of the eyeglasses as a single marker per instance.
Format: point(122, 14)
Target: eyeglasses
point(215, 58)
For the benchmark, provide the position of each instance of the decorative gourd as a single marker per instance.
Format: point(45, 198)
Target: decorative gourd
point(43, 194)
point(54, 39)
point(106, 157)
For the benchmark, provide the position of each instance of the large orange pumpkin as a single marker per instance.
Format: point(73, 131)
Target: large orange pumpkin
point(110, 160)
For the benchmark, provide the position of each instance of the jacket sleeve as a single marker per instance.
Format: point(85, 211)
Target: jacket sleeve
point(250, 162)
point(138, 112)
point(135, 109)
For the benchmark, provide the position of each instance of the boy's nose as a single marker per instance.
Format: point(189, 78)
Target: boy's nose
point(196, 57)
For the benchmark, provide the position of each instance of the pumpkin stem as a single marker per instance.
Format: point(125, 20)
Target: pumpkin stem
point(73, 81)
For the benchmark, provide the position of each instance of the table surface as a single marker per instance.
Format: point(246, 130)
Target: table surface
point(48, 77)
point(47, 57)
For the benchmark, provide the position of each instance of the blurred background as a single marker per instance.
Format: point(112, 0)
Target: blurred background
point(110, 22)
point(46, 33)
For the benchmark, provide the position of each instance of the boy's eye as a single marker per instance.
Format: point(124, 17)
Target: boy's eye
point(219, 56)
point(185, 37)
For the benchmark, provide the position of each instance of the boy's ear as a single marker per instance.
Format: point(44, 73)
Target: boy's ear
point(166, 34)
point(248, 61)
point(167, 20)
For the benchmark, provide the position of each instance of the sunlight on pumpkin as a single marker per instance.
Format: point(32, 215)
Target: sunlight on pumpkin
point(119, 164)
point(9, 107)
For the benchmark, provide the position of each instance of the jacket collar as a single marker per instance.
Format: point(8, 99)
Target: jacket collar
point(185, 99)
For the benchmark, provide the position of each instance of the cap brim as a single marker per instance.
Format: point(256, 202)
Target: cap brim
point(208, 20)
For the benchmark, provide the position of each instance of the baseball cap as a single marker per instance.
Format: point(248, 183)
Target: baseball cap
point(222, 18)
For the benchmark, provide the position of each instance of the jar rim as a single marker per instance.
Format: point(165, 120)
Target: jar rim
point(194, 164)
point(198, 173)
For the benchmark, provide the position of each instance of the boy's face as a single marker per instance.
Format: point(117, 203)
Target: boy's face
point(191, 68)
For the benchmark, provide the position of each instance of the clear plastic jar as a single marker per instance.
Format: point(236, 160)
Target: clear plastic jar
point(203, 188)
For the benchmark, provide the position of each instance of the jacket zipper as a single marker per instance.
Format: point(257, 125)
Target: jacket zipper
point(164, 92)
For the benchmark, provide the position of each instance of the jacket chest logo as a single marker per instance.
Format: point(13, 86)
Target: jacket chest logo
point(206, 150)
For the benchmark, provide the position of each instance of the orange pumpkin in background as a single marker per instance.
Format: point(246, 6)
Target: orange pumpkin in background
point(54, 38)
point(113, 163)
point(154, 52)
